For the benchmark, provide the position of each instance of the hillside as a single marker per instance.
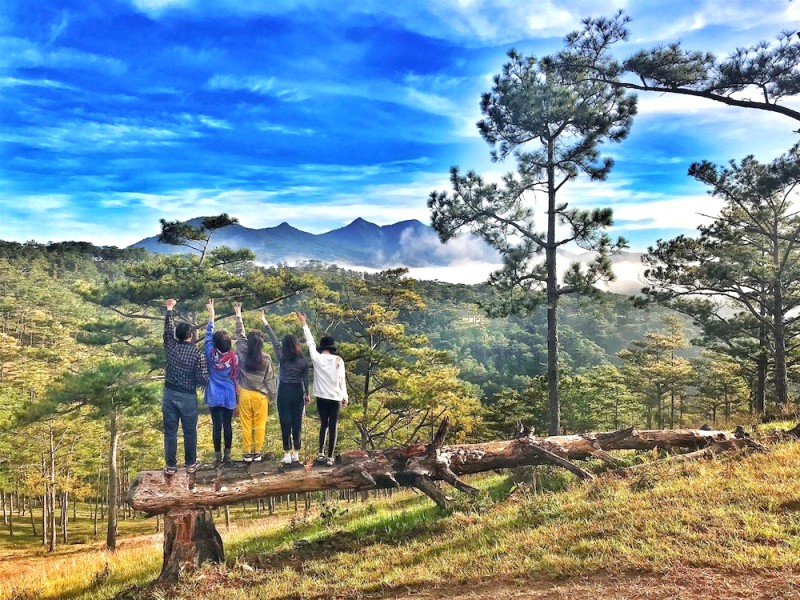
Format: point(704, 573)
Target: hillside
point(680, 531)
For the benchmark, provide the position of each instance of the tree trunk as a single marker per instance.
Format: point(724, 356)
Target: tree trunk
point(65, 517)
point(52, 500)
point(45, 496)
point(30, 513)
point(11, 515)
point(781, 378)
point(111, 531)
point(553, 399)
point(152, 493)
point(190, 539)
point(762, 366)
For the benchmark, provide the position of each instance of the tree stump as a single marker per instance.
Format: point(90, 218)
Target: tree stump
point(190, 539)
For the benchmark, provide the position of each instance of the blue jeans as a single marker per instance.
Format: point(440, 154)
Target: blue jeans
point(179, 406)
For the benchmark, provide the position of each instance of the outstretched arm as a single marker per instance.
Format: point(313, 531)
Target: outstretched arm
point(209, 342)
point(312, 345)
point(276, 345)
point(241, 336)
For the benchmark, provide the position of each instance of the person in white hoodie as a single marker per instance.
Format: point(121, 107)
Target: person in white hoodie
point(330, 388)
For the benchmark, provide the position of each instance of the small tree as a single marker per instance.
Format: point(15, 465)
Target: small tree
point(653, 368)
point(540, 102)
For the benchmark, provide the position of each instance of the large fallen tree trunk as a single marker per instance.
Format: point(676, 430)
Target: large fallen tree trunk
point(185, 498)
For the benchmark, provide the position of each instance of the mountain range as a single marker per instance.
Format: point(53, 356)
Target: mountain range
point(363, 245)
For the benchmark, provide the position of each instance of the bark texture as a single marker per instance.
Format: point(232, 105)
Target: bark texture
point(190, 539)
point(416, 466)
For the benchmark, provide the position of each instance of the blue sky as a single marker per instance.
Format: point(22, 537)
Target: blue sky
point(115, 113)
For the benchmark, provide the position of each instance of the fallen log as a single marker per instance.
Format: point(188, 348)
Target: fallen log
point(185, 498)
point(710, 451)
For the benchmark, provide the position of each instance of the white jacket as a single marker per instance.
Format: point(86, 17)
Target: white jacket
point(329, 378)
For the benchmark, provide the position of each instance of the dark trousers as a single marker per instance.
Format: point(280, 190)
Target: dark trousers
point(290, 414)
point(179, 406)
point(221, 419)
point(328, 423)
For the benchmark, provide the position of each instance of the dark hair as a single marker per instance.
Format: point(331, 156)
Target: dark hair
point(183, 331)
point(254, 359)
point(290, 348)
point(222, 341)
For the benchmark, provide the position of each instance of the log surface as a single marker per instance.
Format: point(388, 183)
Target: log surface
point(415, 465)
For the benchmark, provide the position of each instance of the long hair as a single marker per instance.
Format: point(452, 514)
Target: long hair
point(290, 348)
point(254, 358)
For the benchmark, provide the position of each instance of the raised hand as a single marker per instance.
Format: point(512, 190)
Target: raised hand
point(301, 317)
point(210, 306)
point(263, 317)
point(170, 304)
point(237, 309)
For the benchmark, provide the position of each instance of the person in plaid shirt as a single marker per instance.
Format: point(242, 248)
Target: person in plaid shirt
point(186, 371)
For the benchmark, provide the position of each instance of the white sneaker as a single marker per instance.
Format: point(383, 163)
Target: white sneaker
point(295, 457)
point(287, 459)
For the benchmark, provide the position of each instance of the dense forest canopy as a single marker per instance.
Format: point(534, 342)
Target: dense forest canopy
point(74, 372)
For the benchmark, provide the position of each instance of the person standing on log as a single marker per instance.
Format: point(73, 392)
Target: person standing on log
point(257, 387)
point(293, 392)
point(186, 370)
point(221, 390)
point(330, 388)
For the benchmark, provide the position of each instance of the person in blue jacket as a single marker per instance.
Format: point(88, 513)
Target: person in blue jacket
point(220, 393)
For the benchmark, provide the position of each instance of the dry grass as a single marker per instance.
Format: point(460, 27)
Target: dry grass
point(727, 520)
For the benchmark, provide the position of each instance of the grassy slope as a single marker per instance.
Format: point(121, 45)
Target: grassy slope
point(736, 515)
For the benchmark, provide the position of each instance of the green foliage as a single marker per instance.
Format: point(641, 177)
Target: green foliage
point(747, 256)
point(771, 68)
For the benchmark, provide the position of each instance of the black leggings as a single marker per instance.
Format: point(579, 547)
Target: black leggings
point(328, 422)
point(221, 418)
point(290, 414)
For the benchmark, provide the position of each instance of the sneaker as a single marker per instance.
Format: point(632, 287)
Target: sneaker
point(287, 459)
point(321, 458)
point(295, 457)
point(256, 457)
point(248, 458)
point(329, 461)
point(170, 471)
point(191, 469)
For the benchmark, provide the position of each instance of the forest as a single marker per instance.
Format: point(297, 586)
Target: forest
point(82, 366)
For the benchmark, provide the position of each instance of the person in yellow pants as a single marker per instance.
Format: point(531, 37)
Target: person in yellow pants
point(257, 387)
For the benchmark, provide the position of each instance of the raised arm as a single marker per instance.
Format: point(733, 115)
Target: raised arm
point(241, 336)
point(169, 324)
point(276, 345)
point(209, 342)
point(312, 345)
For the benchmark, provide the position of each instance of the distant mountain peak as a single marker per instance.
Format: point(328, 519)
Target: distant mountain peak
point(361, 223)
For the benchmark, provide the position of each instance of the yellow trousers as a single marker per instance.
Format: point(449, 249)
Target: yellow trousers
point(253, 417)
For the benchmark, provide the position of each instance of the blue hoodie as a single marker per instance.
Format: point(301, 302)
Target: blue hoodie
point(222, 373)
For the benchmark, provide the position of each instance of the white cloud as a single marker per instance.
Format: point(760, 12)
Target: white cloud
point(264, 86)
